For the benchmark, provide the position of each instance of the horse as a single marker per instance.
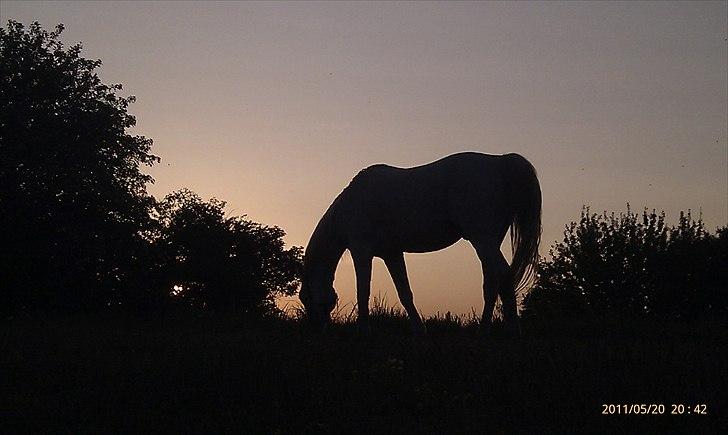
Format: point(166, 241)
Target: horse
point(386, 211)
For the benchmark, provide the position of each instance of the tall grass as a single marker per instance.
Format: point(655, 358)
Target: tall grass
point(386, 315)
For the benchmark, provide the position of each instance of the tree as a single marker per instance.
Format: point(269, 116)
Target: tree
point(74, 211)
point(633, 265)
point(226, 264)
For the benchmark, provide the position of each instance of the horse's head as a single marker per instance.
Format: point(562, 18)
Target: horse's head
point(318, 298)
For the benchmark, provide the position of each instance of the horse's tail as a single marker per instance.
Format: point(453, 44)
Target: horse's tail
point(525, 198)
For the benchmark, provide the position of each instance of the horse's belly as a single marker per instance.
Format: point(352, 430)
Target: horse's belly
point(427, 239)
point(433, 245)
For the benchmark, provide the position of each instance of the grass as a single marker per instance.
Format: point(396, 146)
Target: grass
point(185, 374)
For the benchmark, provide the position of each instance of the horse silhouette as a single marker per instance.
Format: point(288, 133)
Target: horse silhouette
point(386, 211)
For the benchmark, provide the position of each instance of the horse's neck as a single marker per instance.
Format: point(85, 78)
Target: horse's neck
point(325, 247)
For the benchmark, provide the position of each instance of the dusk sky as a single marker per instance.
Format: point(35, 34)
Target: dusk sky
point(274, 107)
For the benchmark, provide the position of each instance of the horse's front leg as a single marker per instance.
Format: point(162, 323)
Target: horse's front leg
point(363, 269)
point(398, 270)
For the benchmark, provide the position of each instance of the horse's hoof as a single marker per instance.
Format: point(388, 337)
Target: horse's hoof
point(364, 329)
point(419, 330)
point(513, 331)
point(485, 333)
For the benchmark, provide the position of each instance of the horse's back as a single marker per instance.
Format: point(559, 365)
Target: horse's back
point(449, 170)
point(423, 208)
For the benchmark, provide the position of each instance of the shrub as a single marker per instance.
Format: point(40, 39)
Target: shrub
point(633, 265)
point(222, 263)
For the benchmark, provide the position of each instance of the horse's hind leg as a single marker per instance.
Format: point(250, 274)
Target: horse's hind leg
point(510, 310)
point(496, 273)
point(398, 270)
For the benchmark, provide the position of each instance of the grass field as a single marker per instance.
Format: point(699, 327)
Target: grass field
point(183, 374)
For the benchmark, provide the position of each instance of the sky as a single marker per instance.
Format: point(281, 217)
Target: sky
point(275, 106)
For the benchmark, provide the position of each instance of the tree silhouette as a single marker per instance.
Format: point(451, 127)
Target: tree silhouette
point(633, 265)
point(226, 264)
point(74, 211)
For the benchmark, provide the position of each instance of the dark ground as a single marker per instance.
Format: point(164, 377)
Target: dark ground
point(106, 375)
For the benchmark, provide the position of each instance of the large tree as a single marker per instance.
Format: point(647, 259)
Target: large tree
point(74, 210)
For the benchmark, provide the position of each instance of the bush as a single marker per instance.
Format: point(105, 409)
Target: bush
point(632, 265)
point(226, 264)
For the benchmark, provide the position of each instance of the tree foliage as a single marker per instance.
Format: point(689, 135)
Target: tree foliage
point(633, 265)
point(73, 204)
point(222, 263)
point(79, 230)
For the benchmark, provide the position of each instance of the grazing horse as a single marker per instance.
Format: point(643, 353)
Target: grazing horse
point(386, 211)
